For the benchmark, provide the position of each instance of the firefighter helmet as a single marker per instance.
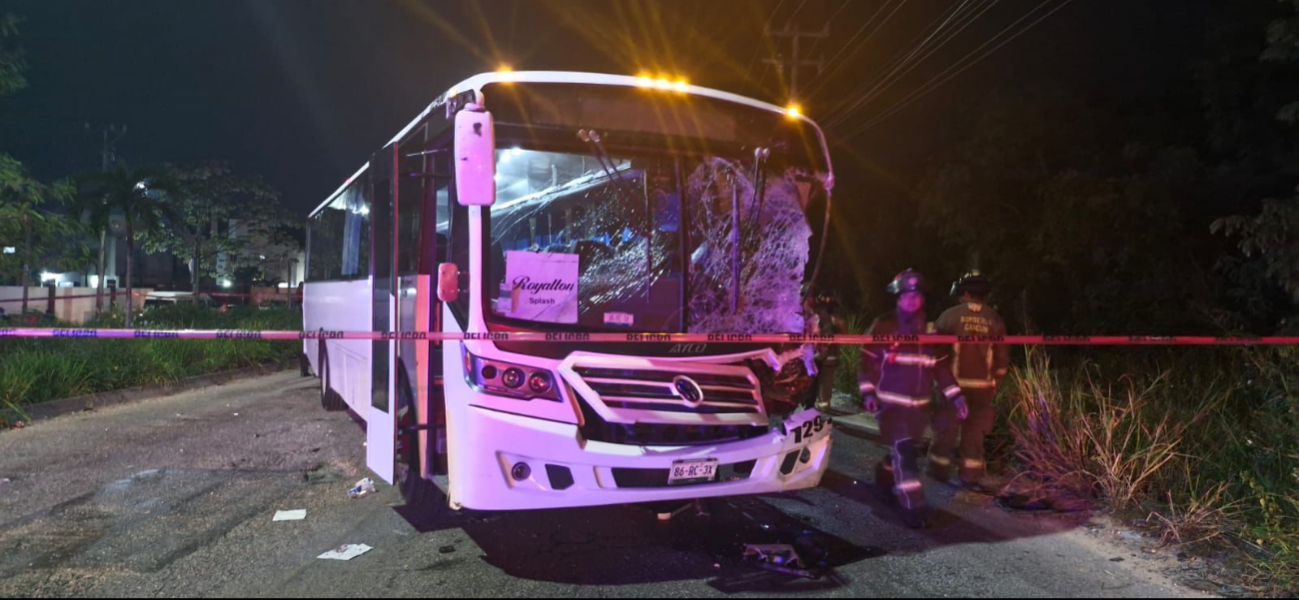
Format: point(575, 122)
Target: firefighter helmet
point(974, 282)
point(907, 281)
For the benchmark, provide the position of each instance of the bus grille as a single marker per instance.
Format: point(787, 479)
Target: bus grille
point(638, 395)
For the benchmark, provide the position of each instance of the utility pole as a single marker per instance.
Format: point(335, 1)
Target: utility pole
point(794, 62)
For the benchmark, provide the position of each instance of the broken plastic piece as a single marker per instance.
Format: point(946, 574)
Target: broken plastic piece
point(290, 515)
point(781, 558)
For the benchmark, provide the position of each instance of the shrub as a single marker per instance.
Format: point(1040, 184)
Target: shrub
point(39, 370)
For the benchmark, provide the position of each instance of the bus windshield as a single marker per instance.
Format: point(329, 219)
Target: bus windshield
point(589, 242)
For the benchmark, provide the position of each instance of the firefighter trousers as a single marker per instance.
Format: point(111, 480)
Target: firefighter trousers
point(948, 429)
point(903, 428)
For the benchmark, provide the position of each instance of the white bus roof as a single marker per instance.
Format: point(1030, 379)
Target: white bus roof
point(477, 82)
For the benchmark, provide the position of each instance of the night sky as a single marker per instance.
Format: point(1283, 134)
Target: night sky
point(301, 92)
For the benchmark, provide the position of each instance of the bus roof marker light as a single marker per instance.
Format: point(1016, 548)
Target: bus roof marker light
point(506, 72)
point(794, 111)
point(663, 84)
point(644, 81)
point(682, 86)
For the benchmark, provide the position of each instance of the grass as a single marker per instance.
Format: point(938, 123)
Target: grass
point(1203, 442)
point(40, 370)
point(1200, 444)
point(850, 356)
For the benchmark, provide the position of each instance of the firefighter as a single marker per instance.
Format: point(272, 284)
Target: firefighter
point(978, 368)
point(896, 382)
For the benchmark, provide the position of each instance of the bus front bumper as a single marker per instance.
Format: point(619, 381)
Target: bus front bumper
point(528, 463)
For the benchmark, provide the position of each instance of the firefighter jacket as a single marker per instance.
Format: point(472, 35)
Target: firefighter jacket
point(904, 374)
point(976, 366)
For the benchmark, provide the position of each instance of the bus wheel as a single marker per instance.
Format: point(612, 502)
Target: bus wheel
point(415, 490)
point(329, 399)
point(304, 365)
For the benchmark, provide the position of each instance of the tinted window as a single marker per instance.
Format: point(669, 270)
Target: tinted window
point(340, 237)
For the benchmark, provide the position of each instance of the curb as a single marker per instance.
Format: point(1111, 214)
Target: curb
point(855, 422)
point(90, 402)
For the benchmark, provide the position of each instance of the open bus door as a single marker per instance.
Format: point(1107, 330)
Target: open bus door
point(381, 423)
point(421, 416)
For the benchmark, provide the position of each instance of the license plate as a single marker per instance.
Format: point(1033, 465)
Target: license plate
point(692, 471)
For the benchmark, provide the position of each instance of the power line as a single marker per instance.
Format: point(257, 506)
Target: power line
point(758, 49)
point(824, 80)
point(793, 62)
point(848, 98)
point(887, 81)
point(841, 7)
point(922, 54)
point(797, 9)
point(836, 66)
point(931, 85)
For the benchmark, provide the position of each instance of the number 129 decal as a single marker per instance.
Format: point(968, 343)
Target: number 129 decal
point(809, 429)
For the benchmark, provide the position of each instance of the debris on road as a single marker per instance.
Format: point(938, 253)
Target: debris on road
point(290, 515)
point(446, 549)
point(363, 487)
point(1131, 536)
point(781, 558)
point(345, 552)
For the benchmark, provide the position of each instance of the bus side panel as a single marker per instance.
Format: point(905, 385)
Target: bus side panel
point(341, 306)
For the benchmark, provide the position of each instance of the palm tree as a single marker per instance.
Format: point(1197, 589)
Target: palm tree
point(137, 195)
point(20, 195)
point(98, 218)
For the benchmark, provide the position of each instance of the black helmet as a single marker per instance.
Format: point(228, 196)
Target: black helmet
point(907, 281)
point(974, 282)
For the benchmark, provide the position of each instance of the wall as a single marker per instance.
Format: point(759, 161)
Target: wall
point(76, 310)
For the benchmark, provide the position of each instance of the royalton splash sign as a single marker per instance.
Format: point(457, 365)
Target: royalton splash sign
point(543, 286)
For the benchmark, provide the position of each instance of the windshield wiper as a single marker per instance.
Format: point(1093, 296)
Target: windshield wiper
point(592, 137)
point(760, 156)
point(610, 169)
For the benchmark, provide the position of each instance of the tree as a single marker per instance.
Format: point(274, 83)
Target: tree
point(20, 199)
point(1256, 71)
point(98, 218)
point(1077, 213)
point(140, 197)
point(12, 64)
point(213, 219)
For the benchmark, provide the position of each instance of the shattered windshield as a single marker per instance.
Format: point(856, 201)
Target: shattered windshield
point(584, 246)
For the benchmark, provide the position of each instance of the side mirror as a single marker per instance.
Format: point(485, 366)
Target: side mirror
point(475, 158)
point(448, 282)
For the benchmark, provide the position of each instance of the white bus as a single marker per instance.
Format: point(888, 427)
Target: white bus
point(573, 203)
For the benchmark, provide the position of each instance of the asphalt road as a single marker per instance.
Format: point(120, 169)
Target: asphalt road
point(175, 496)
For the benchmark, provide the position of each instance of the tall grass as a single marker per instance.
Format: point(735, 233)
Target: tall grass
point(39, 370)
point(845, 379)
point(1205, 442)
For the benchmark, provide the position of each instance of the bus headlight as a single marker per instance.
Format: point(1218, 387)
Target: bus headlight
point(512, 378)
point(508, 380)
point(540, 382)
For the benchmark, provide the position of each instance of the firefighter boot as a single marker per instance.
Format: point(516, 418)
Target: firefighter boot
point(916, 518)
point(940, 468)
point(884, 480)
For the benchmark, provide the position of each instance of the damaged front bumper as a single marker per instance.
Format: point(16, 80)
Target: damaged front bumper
point(564, 470)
